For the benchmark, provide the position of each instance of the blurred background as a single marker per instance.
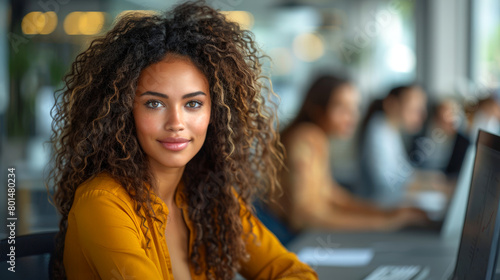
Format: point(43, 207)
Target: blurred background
point(451, 48)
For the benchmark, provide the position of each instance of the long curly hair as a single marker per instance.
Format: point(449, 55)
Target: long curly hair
point(94, 130)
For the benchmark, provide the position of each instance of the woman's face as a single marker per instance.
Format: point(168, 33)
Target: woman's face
point(343, 111)
point(171, 111)
point(412, 109)
point(447, 116)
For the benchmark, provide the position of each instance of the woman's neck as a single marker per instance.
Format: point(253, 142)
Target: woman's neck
point(393, 121)
point(167, 180)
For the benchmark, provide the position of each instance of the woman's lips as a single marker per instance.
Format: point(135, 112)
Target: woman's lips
point(174, 144)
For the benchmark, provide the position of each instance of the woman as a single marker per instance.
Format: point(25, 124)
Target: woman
point(312, 198)
point(387, 168)
point(443, 121)
point(162, 137)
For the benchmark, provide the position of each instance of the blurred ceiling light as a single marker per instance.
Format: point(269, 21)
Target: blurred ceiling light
point(91, 23)
point(401, 58)
point(84, 23)
point(282, 60)
point(308, 47)
point(71, 23)
point(50, 24)
point(243, 18)
point(39, 23)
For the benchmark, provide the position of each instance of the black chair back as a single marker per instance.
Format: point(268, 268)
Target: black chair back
point(33, 256)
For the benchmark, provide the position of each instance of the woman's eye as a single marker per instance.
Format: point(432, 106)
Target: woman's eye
point(193, 104)
point(153, 104)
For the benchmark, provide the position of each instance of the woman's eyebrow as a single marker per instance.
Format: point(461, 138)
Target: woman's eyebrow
point(154, 93)
point(189, 95)
point(193, 94)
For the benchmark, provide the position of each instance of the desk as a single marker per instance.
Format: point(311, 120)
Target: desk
point(402, 248)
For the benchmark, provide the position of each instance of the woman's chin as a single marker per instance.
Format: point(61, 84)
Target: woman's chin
point(175, 164)
point(172, 163)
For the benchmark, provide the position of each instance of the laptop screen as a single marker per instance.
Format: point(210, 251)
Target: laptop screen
point(478, 247)
point(457, 156)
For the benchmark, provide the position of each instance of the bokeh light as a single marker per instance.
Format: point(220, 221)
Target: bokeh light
point(243, 18)
point(308, 47)
point(84, 23)
point(39, 23)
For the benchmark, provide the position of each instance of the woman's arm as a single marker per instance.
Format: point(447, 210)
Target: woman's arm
point(341, 197)
point(103, 227)
point(331, 216)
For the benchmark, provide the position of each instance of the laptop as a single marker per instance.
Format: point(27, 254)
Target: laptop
point(447, 216)
point(458, 173)
point(456, 160)
point(451, 230)
point(478, 251)
point(479, 243)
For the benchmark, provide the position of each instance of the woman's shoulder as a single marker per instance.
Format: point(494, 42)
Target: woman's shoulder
point(101, 185)
point(306, 133)
point(378, 121)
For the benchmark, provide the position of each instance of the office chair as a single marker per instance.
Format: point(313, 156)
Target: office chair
point(33, 256)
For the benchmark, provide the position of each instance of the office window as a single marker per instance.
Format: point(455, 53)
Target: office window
point(486, 48)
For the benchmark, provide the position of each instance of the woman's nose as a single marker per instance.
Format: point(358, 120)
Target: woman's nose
point(174, 120)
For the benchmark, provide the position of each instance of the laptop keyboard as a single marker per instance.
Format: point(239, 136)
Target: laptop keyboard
point(392, 272)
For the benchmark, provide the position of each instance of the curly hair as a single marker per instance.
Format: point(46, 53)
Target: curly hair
point(94, 130)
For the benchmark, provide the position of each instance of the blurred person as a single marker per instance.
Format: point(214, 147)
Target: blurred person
point(446, 116)
point(441, 128)
point(161, 139)
point(312, 198)
point(385, 164)
point(485, 114)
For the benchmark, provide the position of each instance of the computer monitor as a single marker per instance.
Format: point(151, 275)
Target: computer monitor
point(455, 163)
point(478, 251)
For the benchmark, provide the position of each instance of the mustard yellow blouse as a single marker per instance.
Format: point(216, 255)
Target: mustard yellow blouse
point(105, 240)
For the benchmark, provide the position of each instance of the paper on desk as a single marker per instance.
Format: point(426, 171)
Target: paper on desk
point(336, 256)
